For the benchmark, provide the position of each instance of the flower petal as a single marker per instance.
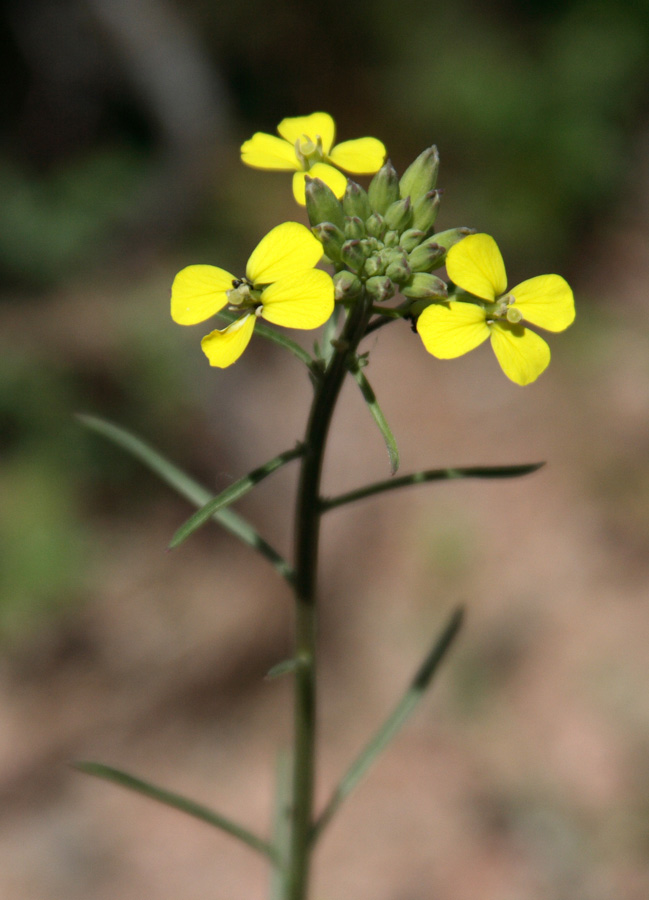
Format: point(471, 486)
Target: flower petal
point(522, 354)
point(546, 301)
point(331, 177)
point(475, 265)
point(265, 151)
point(317, 123)
point(198, 292)
point(304, 300)
point(287, 248)
point(224, 347)
point(451, 329)
point(363, 156)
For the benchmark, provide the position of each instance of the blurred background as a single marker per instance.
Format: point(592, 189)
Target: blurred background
point(525, 773)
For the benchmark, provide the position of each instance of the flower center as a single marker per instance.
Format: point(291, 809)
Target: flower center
point(504, 308)
point(242, 294)
point(308, 151)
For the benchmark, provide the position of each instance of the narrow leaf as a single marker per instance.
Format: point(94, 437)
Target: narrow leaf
point(281, 668)
point(231, 494)
point(188, 488)
point(379, 487)
point(377, 414)
point(421, 680)
point(177, 801)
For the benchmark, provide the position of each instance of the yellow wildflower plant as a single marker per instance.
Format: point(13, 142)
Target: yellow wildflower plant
point(306, 146)
point(280, 284)
point(451, 329)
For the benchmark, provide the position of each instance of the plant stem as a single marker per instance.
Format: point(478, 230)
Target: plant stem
point(307, 530)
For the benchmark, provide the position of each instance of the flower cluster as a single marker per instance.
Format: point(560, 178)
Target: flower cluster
point(306, 146)
point(381, 243)
point(280, 284)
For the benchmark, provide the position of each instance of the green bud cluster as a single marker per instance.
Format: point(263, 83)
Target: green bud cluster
point(384, 237)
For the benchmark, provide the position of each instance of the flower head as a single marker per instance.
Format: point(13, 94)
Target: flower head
point(451, 329)
point(280, 284)
point(306, 147)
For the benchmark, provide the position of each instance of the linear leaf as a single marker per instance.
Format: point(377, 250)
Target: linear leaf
point(377, 414)
point(414, 693)
point(187, 487)
point(379, 487)
point(231, 494)
point(177, 801)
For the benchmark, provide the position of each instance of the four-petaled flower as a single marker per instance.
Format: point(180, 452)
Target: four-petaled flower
point(451, 329)
point(281, 284)
point(306, 147)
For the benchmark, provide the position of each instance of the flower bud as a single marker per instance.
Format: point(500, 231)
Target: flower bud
point(399, 271)
point(446, 239)
point(394, 254)
point(424, 211)
point(354, 228)
point(331, 239)
point(384, 188)
point(374, 265)
point(427, 256)
point(351, 254)
point(347, 286)
point(421, 176)
point(411, 239)
point(380, 288)
point(391, 239)
point(423, 286)
point(322, 204)
point(376, 226)
point(356, 201)
point(398, 216)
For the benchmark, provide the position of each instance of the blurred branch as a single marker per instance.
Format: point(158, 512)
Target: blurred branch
point(180, 89)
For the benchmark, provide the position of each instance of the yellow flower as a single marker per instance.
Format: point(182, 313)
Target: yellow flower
point(452, 329)
point(281, 284)
point(306, 147)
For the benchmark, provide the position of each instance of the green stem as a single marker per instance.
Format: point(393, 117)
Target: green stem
point(307, 529)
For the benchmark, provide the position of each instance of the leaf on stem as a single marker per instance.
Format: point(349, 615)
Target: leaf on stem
point(414, 693)
point(281, 668)
point(234, 492)
point(188, 488)
point(391, 484)
point(177, 801)
point(377, 414)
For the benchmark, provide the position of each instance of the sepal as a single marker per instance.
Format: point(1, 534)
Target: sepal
point(322, 204)
point(356, 202)
point(354, 228)
point(424, 286)
point(352, 255)
point(376, 226)
point(411, 239)
point(384, 188)
point(398, 216)
point(421, 175)
point(424, 211)
point(347, 286)
point(380, 288)
point(331, 239)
